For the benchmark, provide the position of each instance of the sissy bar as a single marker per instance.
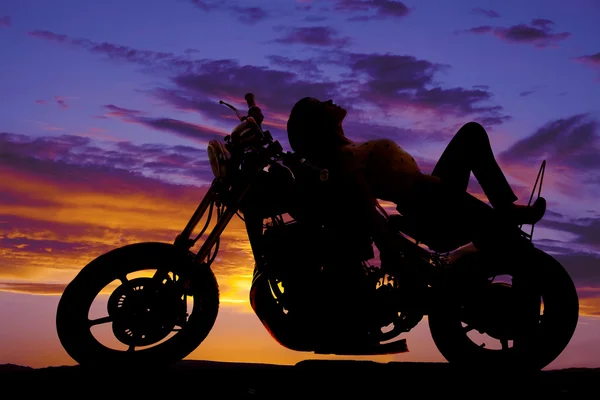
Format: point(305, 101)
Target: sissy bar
point(540, 179)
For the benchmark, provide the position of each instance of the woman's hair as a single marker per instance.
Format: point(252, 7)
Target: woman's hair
point(311, 130)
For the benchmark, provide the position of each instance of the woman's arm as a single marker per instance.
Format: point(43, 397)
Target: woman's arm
point(363, 204)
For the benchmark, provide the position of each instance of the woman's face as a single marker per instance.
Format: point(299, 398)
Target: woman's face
point(329, 111)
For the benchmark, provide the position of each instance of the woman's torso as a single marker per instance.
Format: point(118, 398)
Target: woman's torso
point(390, 171)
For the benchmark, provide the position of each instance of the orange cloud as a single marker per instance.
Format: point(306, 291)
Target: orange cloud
point(589, 301)
point(33, 288)
point(53, 225)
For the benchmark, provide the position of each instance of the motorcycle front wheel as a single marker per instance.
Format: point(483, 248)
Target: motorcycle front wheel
point(148, 317)
point(477, 307)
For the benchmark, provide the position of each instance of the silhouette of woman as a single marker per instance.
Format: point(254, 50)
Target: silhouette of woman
point(380, 169)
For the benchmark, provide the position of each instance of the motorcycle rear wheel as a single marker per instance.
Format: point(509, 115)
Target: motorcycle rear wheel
point(74, 325)
point(552, 333)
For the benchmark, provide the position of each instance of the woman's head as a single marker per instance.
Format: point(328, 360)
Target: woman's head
point(314, 126)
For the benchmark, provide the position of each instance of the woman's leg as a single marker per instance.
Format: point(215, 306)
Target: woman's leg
point(470, 151)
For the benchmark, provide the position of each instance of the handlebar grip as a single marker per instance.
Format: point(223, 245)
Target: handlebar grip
point(249, 97)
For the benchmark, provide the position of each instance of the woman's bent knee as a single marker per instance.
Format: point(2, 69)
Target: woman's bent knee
point(473, 131)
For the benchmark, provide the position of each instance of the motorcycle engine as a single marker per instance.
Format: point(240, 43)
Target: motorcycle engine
point(386, 309)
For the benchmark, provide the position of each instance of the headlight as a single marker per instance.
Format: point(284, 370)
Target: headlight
point(218, 156)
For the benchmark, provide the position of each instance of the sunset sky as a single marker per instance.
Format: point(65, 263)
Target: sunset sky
point(106, 109)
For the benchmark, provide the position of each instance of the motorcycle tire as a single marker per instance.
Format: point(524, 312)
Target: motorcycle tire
point(72, 321)
point(554, 329)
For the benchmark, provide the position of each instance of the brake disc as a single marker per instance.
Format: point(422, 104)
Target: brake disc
point(144, 310)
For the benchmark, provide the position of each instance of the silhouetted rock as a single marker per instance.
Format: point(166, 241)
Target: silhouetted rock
point(13, 367)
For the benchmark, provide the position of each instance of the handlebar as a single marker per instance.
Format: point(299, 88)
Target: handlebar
point(253, 110)
point(252, 123)
point(249, 123)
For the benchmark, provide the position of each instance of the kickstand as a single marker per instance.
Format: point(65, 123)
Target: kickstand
point(540, 179)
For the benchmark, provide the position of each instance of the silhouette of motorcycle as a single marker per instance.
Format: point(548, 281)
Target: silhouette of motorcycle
point(312, 289)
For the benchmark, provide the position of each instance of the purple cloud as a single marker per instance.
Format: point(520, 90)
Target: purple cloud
point(184, 129)
point(571, 145)
point(114, 111)
point(70, 158)
point(49, 36)
point(251, 15)
point(246, 15)
point(480, 29)
point(526, 93)
point(531, 91)
point(372, 9)
point(542, 23)
point(5, 21)
point(571, 142)
point(61, 102)
point(120, 53)
point(312, 36)
point(304, 67)
point(201, 5)
point(591, 60)
point(183, 100)
point(58, 100)
point(586, 230)
point(539, 33)
point(392, 81)
point(303, 7)
point(583, 267)
point(486, 12)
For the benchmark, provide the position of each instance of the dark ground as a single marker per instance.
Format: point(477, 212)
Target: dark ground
point(312, 378)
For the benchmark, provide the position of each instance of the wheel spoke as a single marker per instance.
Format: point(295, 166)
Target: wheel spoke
point(160, 275)
point(99, 321)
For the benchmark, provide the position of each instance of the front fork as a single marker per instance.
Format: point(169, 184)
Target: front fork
point(184, 242)
point(214, 195)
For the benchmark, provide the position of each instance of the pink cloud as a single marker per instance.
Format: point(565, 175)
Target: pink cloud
point(539, 33)
point(592, 60)
point(61, 102)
